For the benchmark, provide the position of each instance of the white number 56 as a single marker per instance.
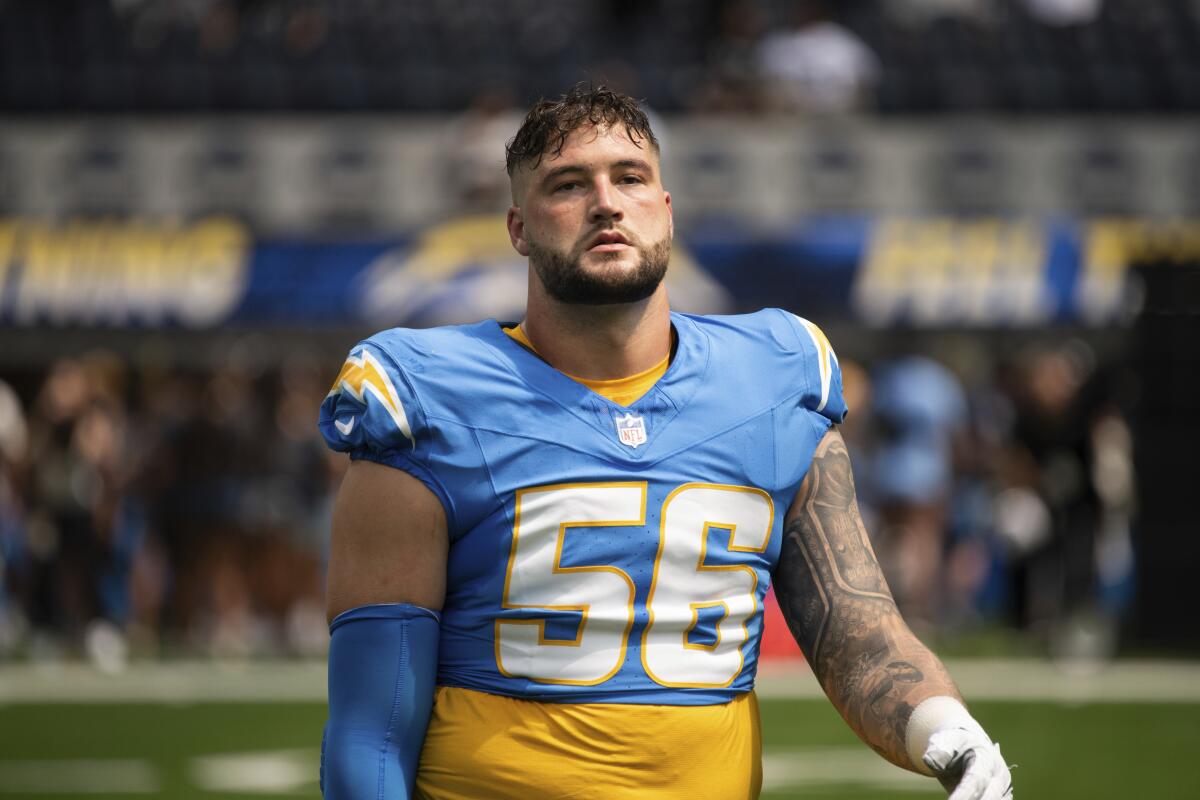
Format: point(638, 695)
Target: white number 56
point(601, 596)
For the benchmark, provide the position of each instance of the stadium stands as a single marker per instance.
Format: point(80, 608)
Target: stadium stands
point(224, 55)
point(205, 200)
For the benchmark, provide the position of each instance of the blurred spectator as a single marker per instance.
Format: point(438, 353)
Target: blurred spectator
point(920, 416)
point(478, 182)
point(919, 13)
point(1049, 457)
point(14, 437)
point(731, 81)
point(1064, 12)
point(816, 65)
point(83, 529)
point(1071, 467)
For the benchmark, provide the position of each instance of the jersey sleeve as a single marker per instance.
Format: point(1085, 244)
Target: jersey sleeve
point(822, 373)
point(372, 412)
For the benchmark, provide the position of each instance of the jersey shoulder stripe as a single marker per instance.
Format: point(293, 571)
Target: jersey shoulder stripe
point(827, 360)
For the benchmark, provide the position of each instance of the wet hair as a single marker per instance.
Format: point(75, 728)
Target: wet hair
point(550, 122)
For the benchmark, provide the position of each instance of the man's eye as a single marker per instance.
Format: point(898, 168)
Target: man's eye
point(632, 179)
point(568, 186)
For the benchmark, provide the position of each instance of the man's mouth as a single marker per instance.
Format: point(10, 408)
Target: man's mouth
point(608, 242)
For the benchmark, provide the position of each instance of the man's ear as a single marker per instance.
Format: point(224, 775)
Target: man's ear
point(516, 230)
point(670, 217)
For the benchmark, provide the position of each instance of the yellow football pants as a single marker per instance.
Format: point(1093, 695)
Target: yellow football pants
point(487, 747)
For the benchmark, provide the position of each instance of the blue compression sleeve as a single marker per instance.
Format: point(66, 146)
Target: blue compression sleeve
point(382, 667)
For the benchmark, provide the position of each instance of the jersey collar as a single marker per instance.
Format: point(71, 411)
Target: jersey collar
point(658, 407)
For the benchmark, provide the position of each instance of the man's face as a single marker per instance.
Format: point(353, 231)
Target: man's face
point(594, 219)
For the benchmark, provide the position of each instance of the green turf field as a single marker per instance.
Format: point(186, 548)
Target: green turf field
point(1091, 751)
point(218, 749)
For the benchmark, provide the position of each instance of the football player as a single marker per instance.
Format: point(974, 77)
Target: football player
point(551, 549)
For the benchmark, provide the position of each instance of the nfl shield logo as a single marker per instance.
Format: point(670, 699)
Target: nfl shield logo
point(631, 430)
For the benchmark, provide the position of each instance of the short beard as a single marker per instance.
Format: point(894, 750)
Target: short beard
point(567, 282)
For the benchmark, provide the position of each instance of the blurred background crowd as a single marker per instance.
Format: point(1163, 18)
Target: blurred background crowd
point(150, 508)
point(987, 204)
point(681, 55)
point(159, 508)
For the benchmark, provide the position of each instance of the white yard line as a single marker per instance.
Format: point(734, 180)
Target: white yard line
point(840, 767)
point(175, 682)
point(78, 776)
point(259, 772)
point(1031, 681)
point(292, 771)
point(263, 682)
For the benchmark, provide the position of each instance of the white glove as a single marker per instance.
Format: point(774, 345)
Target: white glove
point(943, 737)
point(969, 765)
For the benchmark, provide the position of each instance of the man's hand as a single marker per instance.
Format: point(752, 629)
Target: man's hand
point(968, 764)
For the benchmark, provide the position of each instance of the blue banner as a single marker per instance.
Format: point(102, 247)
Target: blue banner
point(881, 272)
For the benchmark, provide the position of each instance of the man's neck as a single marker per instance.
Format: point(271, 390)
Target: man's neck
point(600, 342)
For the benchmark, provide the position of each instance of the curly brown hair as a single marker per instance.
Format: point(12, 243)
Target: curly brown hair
point(547, 126)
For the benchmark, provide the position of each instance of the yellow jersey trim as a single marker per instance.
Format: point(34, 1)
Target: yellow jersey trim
point(622, 391)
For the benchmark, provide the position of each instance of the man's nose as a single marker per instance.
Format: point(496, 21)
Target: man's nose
point(605, 203)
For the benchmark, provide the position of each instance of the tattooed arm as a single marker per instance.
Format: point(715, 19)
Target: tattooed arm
point(837, 604)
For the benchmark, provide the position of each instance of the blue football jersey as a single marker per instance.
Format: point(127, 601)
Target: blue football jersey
point(598, 552)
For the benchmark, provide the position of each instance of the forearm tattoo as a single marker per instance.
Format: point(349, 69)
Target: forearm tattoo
point(838, 606)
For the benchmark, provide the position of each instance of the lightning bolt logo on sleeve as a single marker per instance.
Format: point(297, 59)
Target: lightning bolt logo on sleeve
point(826, 358)
point(362, 374)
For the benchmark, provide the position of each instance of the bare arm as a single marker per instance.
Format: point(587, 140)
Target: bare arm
point(389, 541)
point(838, 606)
point(388, 553)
